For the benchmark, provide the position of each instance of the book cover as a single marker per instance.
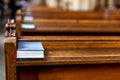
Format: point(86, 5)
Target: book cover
point(30, 50)
point(28, 18)
point(30, 46)
point(28, 26)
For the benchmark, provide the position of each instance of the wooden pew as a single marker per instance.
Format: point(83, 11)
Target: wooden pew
point(66, 58)
point(57, 13)
point(41, 8)
point(69, 15)
point(66, 26)
point(114, 14)
point(72, 27)
point(77, 26)
point(49, 12)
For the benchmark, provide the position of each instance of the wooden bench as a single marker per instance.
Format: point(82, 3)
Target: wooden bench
point(57, 13)
point(67, 26)
point(54, 12)
point(114, 14)
point(66, 58)
point(71, 27)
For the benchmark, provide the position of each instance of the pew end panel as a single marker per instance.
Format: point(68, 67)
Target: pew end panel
point(10, 44)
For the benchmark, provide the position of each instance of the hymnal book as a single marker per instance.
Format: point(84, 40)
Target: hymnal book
point(28, 26)
point(28, 13)
point(28, 18)
point(30, 50)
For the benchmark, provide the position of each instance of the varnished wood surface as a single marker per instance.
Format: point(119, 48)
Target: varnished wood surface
point(105, 14)
point(62, 26)
point(114, 14)
point(76, 42)
point(41, 8)
point(72, 57)
point(76, 26)
point(68, 58)
point(69, 38)
point(55, 21)
point(10, 50)
point(61, 50)
point(69, 15)
point(57, 13)
point(71, 72)
point(18, 26)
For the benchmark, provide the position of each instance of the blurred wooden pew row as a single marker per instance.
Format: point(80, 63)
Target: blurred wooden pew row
point(41, 9)
point(57, 13)
point(77, 26)
point(64, 25)
point(69, 15)
point(66, 57)
point(114, 14)
point(70, 27)
point(44, 12)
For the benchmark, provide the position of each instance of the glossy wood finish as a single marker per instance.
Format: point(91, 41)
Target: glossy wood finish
point(75, 26)
point(69, 38)
point(10, 50)
point(18, 26)
point(75, 50)
point(76, 42)
point(69, 58)
point(114, 14)
point(71, 72)
point(104, 14)
point(57, 13)
point(41, 8)
point(74, 56)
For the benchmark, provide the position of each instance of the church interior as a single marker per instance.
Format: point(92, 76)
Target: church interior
point(59, 39)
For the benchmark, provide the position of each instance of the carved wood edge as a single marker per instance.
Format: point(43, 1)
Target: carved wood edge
point(10, 28)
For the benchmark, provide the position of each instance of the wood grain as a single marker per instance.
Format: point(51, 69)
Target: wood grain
point(10, 50)
point(75, 26)
point(71, 72)
point(57, 13)
point(68, 57)
point(61, 50)
point(73, 57)
point(69, 38)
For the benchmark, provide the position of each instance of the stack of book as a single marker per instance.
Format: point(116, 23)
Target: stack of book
point(30, 50)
